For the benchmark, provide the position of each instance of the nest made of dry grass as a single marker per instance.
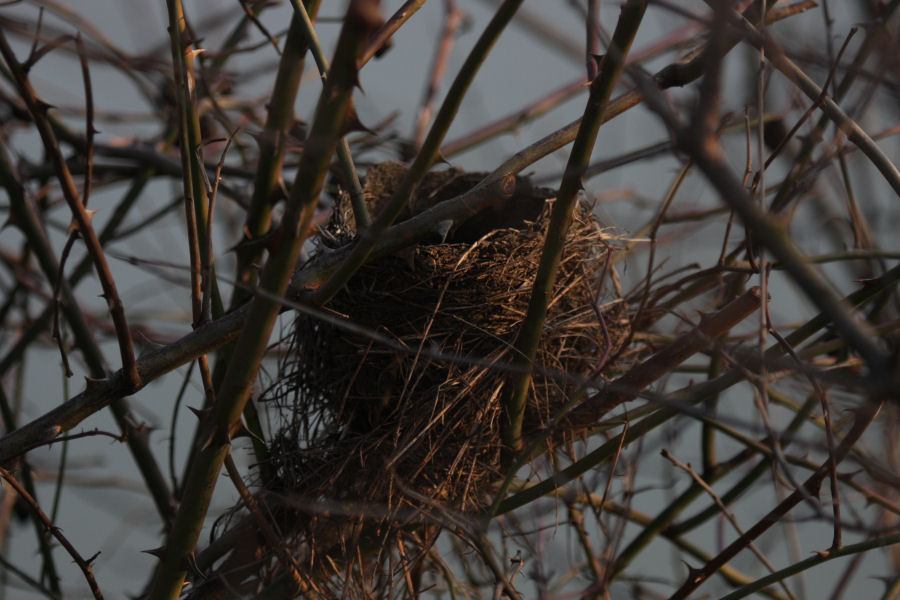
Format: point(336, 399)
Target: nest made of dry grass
point(367, 421)
point(400, 412)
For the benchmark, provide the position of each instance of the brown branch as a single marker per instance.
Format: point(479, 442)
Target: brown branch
point(627, 386)
point(864, 418)
point(83, 564)
point(100, 392)
point(81, 216)
point(707, 154)
point(453, 18)
point(380, 40)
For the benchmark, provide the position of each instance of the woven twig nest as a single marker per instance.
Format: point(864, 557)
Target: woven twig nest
point(404, 406)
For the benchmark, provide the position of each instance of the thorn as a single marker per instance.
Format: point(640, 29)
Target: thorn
point(90, 561)
point(385, 47)
point(217, 436)
point(352, 122)
point(73, 226)
point(142, 429)
point(817, 493)
point(200, 413)
point(159, 553)
point(598, 60)
point(442, 159)
point(516, 560)
point(42, 106)
point(240, 429)
point(220, 436)
point(299, 130)
point(91, 384)
point(442, 229)
point(693, 574)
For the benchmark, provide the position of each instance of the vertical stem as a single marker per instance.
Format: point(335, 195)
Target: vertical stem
point(217, 428)
point(191, 143)
point(561, 218)
point(279, 120)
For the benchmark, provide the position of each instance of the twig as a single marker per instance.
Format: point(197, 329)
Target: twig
point(852, 549)
point(724, 511)
point(864, 418)
point(707, 154)
point(381, 37)
point(279, 119)
point(248, 10)
point(761, 39)
point(206, 303)
point(273, 540)
point(453, 18)
point(351, 178)
point(874, 36)
point(28, 221)
point(81, 216)
point(83, 564)
point(88, 177)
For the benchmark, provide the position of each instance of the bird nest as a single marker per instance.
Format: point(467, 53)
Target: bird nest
point(397, 403)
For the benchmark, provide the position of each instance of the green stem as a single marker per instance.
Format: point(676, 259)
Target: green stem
point(279, 120)
point(262, 312)
point(817, 559)
point(191, 141)
point(351, 178)
point(561, 217)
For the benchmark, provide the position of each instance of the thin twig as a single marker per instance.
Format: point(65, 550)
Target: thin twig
point(83, 564)
point(687, 468)
point(453, 18)
point(81, 216)
point(864, 418)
